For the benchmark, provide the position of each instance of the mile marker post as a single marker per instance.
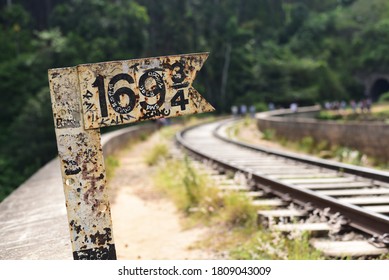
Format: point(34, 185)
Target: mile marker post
point(87, 97)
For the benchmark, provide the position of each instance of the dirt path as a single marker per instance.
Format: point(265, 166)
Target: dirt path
point(147, 224)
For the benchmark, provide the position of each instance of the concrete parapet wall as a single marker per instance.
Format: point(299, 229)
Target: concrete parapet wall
point(370, 138)
point(33, 221)
point(115, 140)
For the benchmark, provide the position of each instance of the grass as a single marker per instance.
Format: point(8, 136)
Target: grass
point(157, 153)
point(277, 246)
point(321, 149)
point(196, 195)
point(233, 130)
point(238, 211)
point(268, 134)
point(111, 163)
point(324, 150)
point(191, 192)
point(168, 132)
point(230, 216)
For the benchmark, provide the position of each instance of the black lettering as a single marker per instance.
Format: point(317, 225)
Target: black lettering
point(116, 98)
point(99, 83)
point(151, 85)
point(179, 100)
point(178, 74)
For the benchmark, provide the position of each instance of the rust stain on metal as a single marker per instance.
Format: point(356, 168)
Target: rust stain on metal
point(87, 97)
point(128, 91)
point(83, 170)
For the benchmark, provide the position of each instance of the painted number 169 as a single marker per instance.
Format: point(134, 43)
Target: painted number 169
point(150, 85)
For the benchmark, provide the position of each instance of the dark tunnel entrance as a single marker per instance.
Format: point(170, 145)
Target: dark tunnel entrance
point(380, 86)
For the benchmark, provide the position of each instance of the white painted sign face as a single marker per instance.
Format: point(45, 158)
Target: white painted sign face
point(87, 97)
point(128, 91)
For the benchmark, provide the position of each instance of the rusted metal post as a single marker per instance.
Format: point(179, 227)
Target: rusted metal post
point(83, 171)
point(87, 97)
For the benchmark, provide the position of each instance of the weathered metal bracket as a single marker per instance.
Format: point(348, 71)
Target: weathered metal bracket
point(128, 91)
point(83, 171)
point(87, 97)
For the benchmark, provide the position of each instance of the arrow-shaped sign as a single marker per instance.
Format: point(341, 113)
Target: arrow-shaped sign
point(128, 91)
point(87, 97)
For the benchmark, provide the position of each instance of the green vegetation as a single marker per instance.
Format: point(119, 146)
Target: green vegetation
point(384, 97)
point(325, 115)
point(324, 150)
point(190, 191)
point(268, 134)
point(238, 211)
point(233, 130)
point(276, 246)
point(379, 112)
point(348, 115)
point(196, 195)
point(157, 153)
point(308, 145)
point(261, 51)
point(111, 163)
point(230, 214)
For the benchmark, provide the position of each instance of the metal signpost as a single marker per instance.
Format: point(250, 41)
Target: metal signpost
point(87, 97)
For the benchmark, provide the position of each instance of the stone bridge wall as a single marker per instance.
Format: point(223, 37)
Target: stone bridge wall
point(370, 138)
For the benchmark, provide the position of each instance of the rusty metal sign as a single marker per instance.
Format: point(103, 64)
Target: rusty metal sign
point(128, 91)
point(90, 96)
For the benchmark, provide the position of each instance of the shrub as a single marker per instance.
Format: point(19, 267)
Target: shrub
point(307, 144)
point(238, 211)
point(191, 191)
point(111, 163)
point(268, 134)
point(158, 152)
point(384, 97)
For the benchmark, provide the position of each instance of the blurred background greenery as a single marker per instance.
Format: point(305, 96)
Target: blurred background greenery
point(261, 51)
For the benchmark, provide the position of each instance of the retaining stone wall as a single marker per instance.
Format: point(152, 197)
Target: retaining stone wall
point(371, 138)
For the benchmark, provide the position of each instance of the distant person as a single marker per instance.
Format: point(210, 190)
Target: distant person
point(162, 122)
point(327, 105)
point(271, 106)
point(234, 110)
point(335, 105)
point(343, 105)
point(361, 105)
point(243, 110)
point(252, 111)
point(294, 107)
point(364, 106)
point(368, 105)
point(353, 105)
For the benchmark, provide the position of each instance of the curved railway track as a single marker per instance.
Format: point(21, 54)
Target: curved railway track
point(351, 198)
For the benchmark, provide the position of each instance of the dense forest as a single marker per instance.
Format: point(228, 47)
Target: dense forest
point(261, 51)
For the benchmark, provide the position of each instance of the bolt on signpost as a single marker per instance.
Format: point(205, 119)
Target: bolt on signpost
point(87, 97)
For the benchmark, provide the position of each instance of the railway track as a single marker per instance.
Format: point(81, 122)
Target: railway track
point(302, 193)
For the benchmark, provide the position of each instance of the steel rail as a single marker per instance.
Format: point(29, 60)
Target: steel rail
point(365, 220)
